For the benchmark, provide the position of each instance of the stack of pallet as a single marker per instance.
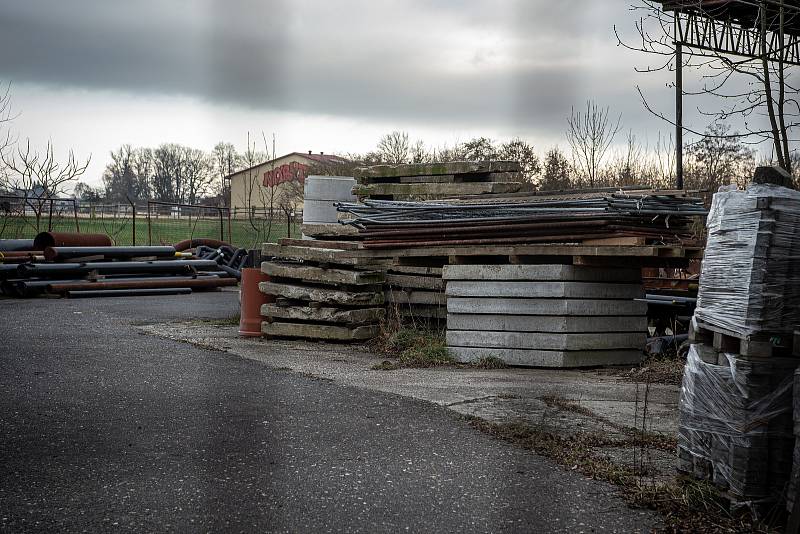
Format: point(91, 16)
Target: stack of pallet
point(736, 402)
point(545, 315)
point(320, 292)
point(416, 293)
point(432, 181)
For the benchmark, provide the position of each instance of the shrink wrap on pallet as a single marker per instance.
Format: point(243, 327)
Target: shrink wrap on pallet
point(735, 424)
point(750, 279)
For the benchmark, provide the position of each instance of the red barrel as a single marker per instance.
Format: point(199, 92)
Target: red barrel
point(252, 300)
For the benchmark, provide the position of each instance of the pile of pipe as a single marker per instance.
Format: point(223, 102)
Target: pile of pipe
point(52, 264)
point(660, 218)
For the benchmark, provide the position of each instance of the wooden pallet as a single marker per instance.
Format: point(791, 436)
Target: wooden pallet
point(760, 345)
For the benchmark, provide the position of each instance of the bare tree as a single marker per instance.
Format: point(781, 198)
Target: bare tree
point(394, 147)
point(37, 176)
point(742, 62)
point(590, 134)
point(5, 133)
point(198, 173)
point(226, 161)
point(719, 158)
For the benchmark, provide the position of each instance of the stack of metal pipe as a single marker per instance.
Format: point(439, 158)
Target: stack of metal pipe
point(653, 217)
point(104, 270)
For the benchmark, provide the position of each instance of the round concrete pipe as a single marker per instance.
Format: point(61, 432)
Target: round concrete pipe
point(252, 300)
point(70, 239)
point(117, 253)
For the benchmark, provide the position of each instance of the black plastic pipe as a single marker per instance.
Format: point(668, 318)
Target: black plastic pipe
point(127, 292)
point(13, 245)
point(119, 253)
point(49, 270)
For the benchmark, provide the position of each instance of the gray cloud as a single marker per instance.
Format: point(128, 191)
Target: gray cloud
point(471, 63)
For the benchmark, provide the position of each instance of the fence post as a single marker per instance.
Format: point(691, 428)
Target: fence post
point(75, 211)
point(230, 235)
point(133, 221)
point(149, 226)
point(221, 226)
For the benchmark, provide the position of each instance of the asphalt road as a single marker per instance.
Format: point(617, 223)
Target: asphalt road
point(103, 428)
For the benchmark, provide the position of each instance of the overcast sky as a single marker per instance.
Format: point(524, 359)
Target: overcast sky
point(325, 76)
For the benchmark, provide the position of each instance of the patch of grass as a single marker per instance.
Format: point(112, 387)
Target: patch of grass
point(415, 348)
point(490, 362)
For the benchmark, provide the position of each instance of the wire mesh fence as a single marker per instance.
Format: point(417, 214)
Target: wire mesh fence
point(24, 217)
point(151, 223)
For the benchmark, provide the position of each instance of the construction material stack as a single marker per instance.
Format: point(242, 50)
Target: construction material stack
point(545, 315)
point(320, 293)
point(433, 181)
point(736, 400)
point(416, 293)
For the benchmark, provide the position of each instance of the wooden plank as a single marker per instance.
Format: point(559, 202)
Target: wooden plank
point(314, 243)
point(542, 272)
point(512, 306)
point(416, 282)
point(316, 331)
point(546, 340)
point(518, 289)
point(311, 273)
point(324, 295)
point(469, 188)
point(324, 314)
point(630, 240)
point(550, 358)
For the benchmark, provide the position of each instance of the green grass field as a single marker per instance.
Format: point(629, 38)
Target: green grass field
point(160, 231)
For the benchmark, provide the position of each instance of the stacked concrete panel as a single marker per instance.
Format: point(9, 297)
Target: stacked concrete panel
point(431, 181)
point(416, 292)
point(320, 295)
point(735, 426)
point(545, 315)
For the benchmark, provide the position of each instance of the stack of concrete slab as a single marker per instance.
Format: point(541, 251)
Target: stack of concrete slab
point(432, 181)
point(416, 292)
point(545, 315)
point(321, 294)
point(735, 424)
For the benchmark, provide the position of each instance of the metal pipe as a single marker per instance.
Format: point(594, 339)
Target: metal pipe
point(70, 239)
point(171, 282)
point(12, 245)
point(45, 270)
point(67, 253)
point(127, 293)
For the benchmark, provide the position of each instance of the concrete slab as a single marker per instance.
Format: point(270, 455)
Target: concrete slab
point(318, 274)
point(316, 331)
point(550, 358)
point(323, 230)
point(559, 307)
point(546, 340)
point(471, 188)
point(417, 282)
point(585, 290)
point(545, 323)
point(435, 298)
point(414, 269)
point(427, 169)
point(325, 314)
point(319, 294)
point(540, 273)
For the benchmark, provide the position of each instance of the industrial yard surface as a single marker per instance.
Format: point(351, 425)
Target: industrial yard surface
point(110, 418)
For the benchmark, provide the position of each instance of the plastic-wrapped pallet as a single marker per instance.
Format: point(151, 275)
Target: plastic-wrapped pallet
point(750, 280)
point(735, 424)
point(791, 492)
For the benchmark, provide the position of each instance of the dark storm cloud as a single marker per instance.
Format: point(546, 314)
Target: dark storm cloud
point(460, 62)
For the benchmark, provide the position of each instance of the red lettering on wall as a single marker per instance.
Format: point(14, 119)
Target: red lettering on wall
point(286, 173)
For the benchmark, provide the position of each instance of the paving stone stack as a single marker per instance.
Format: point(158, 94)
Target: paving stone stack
point(416, 293)
point(545, 315)
point(735, 425)
point(736, 402)
point(433, 181)
point(794, 478)
point(320, 293)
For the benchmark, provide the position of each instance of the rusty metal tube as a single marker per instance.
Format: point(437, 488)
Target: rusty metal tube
point(49, 270)
point(70, 239)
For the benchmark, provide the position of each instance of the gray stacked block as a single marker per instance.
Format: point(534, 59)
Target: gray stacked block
point(545, 315)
